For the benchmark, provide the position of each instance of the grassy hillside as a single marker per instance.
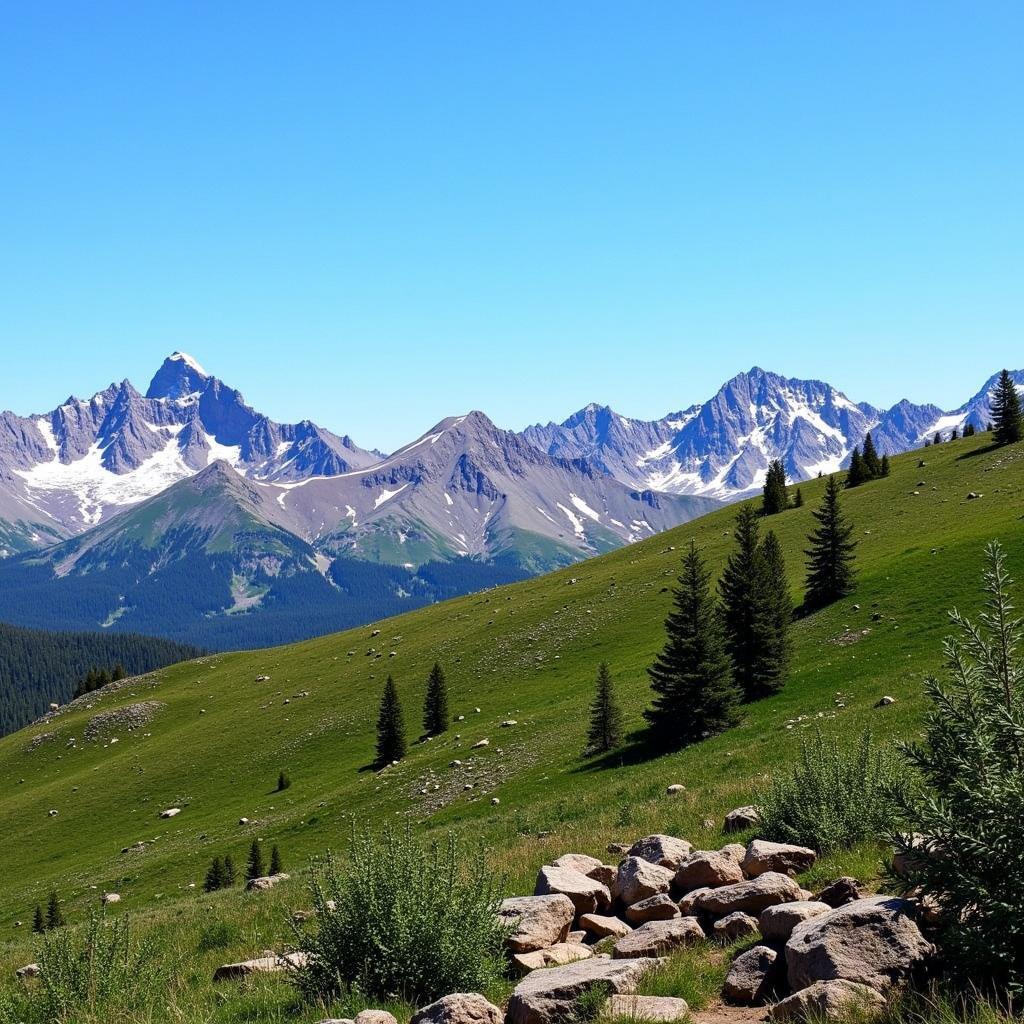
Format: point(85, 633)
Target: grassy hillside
point(526, 652)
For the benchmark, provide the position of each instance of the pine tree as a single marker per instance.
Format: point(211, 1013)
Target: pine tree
point(883, 466)
point(229, 872)
point(38, 923)
point(276, 864)
point(390, 726)
point(54, 915)
point(774, 616)
point(740, 591)
point(214, 876)
point(435, 708)
point(954, 434)
point(118, 673)
point(872, 465)
point(283, 782)
point(254, 867)
point(830, 557)
point(695, 695)
point(605, 733)
point(1006, 415)
point(774, 500)
point(857, 473)
point(969, 430)
point(798, 499)
point(938, 437)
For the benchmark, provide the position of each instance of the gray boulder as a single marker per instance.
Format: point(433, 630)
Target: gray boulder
point(654, 908)
point(658, 1009)
point(375, 1017)
point(459, 1008)
point(580, 862)
point(777, 923)
point(751, 897)
point(752, 976)
point(601, 926)
point(537, 921)
point(741, 818)
point(763, 856)
point(553, 956)
point(656, 938)
point(707, 869)
point(638, 878)
point(873, 942)
point(735, 926)
point(588, 895)
point(549, 997)
point(840, 892)
point(827, 1000)
point(667, 851)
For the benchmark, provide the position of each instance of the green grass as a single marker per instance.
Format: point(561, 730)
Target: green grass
point(526, 652)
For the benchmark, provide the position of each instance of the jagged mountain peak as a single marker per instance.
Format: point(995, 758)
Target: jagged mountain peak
point(179, 376)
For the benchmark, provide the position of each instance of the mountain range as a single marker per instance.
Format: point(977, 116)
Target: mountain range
point(185, 513)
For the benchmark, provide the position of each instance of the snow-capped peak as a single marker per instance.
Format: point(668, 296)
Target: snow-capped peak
point(189, 361)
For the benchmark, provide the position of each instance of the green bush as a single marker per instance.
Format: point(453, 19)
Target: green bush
point(401, 919)
point(834, 796)
point(968, 812)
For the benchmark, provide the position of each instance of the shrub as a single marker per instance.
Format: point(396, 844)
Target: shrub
point(969, 809)
point(834, 796)
point(95, 973)
point(402, 919)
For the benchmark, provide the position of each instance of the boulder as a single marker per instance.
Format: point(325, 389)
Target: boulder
point(660, 1009)
point(735, 926)
point(578, 862)
point(28, 971)
point(375, 1017)
point(638, 878)
point(735, 850)
point(537, 921)
point(549, 997)
point(667, 851)
point(873, 942)
point(459, 1008)
point(763, 856)
point(688, 904)
point(266, 882)
point(707, 869)
point(777, 923)
point(578, 936)
point(656, 938)
point(827, 1000)
point(654, 908)
point(171, 812)
point(605, 874)
point(260, 965)
point(110, 897)
point(601, 926)
point(751, 897)
point(752, 976)
point(675, 789)
point(553, 956)
point(588, 896)
point(906, 858)
point(741, 818)
point(840, 892)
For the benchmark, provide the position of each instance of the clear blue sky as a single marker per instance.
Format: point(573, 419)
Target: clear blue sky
point(376, 214)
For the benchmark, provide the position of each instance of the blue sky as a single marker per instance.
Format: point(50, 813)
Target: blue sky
point(375, 214)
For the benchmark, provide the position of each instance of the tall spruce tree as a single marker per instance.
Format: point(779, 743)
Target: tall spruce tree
point(830, 571)
point(1006, 415)
point(883, 466)
point(214, 876)
point(774, 500)
point(229, 872)
point(857, 473)
point(435, 708)
point(695, 696)
point(54, 914)
point(254, 865)
point(938, 437)
point(798, 499)
point(38, 921)
point(969, 430)
point(741, 592)
point(872, 464)
point(276, 863)
point(605, 732)
point(390, 726)
point(774, 617)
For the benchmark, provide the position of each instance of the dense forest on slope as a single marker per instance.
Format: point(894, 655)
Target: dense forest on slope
point(37, 666)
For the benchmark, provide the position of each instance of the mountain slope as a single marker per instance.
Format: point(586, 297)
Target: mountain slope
point(527, 653)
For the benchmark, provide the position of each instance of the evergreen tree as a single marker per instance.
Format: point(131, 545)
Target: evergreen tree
point(214, 876)
point(118, 673)
point(1006, 413)
point(969, 430)
point(856, 474)
point(254, 867)
point(740, 592)
point(830, 557)
point(954, 434)
point(774, 616)
point(38, 923)
point(276, 864)
point(695, 695)
point(605, 733)
point(54, 915)
point(283, 782)
point(883, 466)
point(798, 499)
point(390, 726)
point(872, 465)
point(774, 500)
point(229, 872)
point(938, 437)
point(435, 708)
